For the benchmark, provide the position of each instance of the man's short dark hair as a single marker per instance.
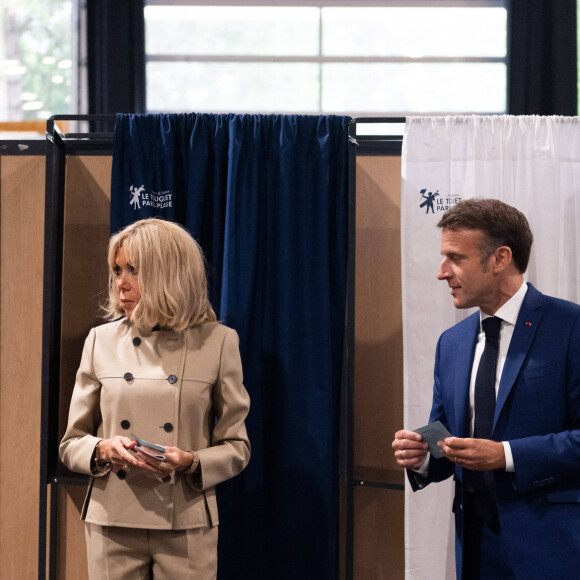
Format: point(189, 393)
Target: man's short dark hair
point(501, 224)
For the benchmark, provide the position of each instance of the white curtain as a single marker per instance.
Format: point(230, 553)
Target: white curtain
point(530, 162)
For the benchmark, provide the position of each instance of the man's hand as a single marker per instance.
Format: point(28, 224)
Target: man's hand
point(410, 449)
point(475, 454)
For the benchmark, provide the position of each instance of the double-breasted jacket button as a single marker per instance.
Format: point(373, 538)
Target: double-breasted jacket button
point(125, 424)
point(128, 377)
point(168, 427)
point(137, 341)
point(121, 474)
point(172, 379)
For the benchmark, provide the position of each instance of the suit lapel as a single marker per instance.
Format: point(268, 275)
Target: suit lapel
point(525, 329)
point(464, 364)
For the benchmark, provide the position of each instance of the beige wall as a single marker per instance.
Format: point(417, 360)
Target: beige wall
point(378, 548)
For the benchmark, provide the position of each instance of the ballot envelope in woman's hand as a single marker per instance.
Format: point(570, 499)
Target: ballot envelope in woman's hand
point(141, 444)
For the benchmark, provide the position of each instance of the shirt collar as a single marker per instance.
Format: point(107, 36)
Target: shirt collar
point(510, 310)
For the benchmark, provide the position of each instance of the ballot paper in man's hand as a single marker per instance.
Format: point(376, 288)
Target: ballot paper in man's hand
point(433, 433)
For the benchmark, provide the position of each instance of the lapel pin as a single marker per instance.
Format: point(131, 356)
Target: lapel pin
point(528, 324)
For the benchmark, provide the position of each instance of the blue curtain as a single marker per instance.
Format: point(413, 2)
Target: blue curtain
point(266, 196)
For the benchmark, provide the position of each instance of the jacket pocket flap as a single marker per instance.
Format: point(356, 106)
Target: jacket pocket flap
point(564, 496)
point(538, 370)
point(200, 379)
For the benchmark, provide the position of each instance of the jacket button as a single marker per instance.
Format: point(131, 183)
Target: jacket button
point(172, 379)
point(121, 474)
point(168, 427)
point(125, 424)
point(128, 377)
point(136, 341)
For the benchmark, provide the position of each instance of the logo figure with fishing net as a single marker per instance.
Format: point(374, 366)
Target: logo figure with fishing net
point(429, 199)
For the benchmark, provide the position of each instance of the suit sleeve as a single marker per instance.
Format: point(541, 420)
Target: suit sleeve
point(552, 458)
point(78, 443)
point(229, 452)
point(439, 469)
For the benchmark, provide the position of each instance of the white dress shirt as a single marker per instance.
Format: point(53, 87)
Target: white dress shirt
point(509, 314)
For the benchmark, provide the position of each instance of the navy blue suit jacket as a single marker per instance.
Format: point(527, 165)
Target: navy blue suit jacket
point(538, 412)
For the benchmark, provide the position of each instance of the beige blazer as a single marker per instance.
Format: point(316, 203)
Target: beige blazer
point(173, 388)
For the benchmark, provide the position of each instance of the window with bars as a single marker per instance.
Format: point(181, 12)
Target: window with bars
point(357, 58)
point(37, 59)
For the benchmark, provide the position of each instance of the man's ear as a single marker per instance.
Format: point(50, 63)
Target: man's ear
point(502, 259)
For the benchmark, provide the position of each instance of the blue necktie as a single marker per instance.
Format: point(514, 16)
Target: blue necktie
point(485, 380)
point(482, 481)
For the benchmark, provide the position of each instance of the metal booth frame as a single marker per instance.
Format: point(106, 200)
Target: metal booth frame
point(94, 141)
point(98, 140)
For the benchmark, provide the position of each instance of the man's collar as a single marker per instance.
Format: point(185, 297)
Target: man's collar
point(510, 310)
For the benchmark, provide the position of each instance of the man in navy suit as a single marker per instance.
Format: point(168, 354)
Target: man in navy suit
point(517, 489)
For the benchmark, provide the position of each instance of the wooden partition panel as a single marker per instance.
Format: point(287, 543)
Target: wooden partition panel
point(71, 555)
point(379, 545)
point(378, 390)
point(86, 235)
point(22, 188)
point(21, 260)
point(84, 271)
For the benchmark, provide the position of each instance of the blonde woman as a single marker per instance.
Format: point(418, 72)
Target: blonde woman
point(165, 373)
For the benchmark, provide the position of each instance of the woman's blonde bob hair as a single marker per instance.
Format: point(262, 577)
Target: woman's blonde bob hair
point(171, 273)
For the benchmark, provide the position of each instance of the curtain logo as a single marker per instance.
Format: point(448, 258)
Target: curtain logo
point(434, 202)
point(140, 197)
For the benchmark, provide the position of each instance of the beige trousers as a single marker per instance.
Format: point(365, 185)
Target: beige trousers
point(115, 553)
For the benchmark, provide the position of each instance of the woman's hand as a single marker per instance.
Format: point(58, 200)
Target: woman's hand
point(175, 460)
point(116, 451)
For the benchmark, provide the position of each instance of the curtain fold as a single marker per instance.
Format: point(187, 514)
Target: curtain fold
point(542, 58)
point(266, 197)
point(530, 162)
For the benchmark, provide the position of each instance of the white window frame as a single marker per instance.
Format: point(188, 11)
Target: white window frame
point(320, 59)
